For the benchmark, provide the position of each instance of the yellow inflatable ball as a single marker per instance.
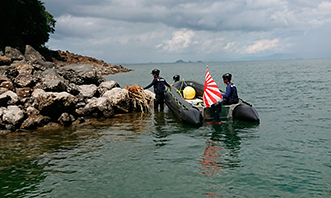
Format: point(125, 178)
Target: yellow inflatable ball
point(189, 93)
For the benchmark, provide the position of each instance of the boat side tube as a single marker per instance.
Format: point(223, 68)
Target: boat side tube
point(182, 109)
point(245, 112)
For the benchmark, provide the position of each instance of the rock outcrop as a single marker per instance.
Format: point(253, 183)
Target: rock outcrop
point(35, 93)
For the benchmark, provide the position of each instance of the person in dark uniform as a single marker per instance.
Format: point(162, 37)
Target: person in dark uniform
point(176, 78)
point(159, 84)
point(231, 94)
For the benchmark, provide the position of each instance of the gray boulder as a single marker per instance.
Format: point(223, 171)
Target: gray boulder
point(88, 91)
point(73, 89)
point(31, 54)
point(24, 80)
point(119, 99)
point(24, 68)
point(13, 97)
point(106, 86)
point(13, 53)
point(66, 119)
point(42, 65)
point(82, 74)
point(52, 81)
point(53, 104)
point(99, 107)
point(34, 122)
point(13, 115)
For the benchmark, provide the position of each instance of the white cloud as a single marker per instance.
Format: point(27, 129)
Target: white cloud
point(180, 40)
point(261, 45)
point(231, 46)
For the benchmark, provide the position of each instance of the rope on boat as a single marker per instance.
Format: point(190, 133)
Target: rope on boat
point(180, 104)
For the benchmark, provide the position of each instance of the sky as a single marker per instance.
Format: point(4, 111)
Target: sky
point(144, 31)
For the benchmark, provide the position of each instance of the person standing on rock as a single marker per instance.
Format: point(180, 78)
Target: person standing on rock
point(159, 84)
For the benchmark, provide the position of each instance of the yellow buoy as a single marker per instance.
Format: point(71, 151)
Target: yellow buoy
point(189, 93)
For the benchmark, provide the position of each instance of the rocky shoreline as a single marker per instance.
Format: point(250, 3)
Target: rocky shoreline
point(69, 90)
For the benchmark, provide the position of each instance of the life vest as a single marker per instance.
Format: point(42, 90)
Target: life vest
point(233, 97)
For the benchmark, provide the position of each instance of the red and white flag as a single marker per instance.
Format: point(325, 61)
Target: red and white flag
point(211, 92)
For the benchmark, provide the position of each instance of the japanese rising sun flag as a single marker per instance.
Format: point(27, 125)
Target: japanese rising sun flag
point(211, 93)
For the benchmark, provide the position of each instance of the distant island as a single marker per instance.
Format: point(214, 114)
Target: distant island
point(181, 61)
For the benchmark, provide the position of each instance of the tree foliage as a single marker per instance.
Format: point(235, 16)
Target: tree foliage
point(25, 22)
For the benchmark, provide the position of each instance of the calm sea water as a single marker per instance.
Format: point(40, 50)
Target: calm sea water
point(154, 155)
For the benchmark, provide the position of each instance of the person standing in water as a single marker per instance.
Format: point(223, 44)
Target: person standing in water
point(159, 84)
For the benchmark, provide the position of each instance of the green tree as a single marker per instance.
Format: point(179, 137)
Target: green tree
point(25, 22)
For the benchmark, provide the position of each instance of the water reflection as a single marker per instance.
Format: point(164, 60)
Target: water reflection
point(222, 150)
point(211, 163)
point(160, 135)
point(27, 159)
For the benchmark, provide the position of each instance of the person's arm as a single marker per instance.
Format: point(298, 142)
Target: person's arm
point(227, 92)
point(165, 82)
point(152, 83)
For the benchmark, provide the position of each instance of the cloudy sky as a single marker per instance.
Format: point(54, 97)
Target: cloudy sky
point(142, 31)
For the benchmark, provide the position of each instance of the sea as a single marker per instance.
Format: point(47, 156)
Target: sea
point(142, 155)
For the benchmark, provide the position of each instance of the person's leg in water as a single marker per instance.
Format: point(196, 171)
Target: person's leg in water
point(156, 104)
point(218, 109)
point(161, 101)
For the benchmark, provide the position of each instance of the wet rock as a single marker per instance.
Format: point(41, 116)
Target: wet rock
point(51, 126)
point(33, 122)
point(66, 119)
point(78, 121)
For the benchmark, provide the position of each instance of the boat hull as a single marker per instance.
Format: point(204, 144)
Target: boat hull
point(189, 112)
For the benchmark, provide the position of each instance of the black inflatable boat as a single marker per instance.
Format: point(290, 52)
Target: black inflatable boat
point(193, 111)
